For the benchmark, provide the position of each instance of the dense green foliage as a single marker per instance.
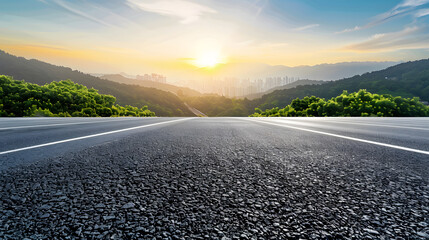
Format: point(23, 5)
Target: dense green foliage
point(361, 103)
point(59, 99)
point(409, 79)
point(217, 106)
point(34, 71)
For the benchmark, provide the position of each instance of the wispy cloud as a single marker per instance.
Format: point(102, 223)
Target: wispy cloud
point(412, 3)
point(262, 44)
point(260, 5)
point(75, 11)
point(44, 47)
point(187, 11)
point(408, 38)
point(406, 7)
point(422, 13)
point(356, 28)
point(306, 27)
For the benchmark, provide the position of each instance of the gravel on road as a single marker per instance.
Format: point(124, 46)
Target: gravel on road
point(221, 183)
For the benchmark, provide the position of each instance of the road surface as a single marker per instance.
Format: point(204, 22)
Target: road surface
point(214, 178)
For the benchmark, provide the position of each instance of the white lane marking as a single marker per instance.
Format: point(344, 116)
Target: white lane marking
point(344, 137)
point(63, 124)
point(384, 125)
point(89, 136)
point(367, 124)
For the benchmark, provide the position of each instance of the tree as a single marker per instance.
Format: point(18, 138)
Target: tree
point(361, 103)
point(59, 99)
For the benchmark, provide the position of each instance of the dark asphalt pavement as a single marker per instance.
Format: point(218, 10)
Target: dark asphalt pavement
point(17, 133)
point(214, 178)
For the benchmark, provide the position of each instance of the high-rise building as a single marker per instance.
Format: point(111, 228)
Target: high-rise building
point(153, 77)
point(237, 87)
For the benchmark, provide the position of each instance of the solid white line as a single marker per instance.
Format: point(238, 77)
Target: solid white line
point(62, 124)
point(367, 124)
point(89, 136)
point(344, 137)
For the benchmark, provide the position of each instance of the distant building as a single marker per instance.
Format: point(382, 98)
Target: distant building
point(238, 87)
point(153, 77)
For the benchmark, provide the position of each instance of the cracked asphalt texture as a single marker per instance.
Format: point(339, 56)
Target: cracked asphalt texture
point(220, 178)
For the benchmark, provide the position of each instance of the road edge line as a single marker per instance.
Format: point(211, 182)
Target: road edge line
point(368, 124)
point(64, 124)
point(345, 137)
point(89, 136)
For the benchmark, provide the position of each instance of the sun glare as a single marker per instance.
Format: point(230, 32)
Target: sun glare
point(207, 60)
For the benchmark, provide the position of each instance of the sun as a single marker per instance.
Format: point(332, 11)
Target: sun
point(208, 60)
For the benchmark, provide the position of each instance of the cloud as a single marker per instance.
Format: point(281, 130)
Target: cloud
point(406, 7)
point(408, 38)
point(306, 27)
point(350, 29)
point(260, 5)
point(187, 11)
point(44, 46)
point(412, 3)
point(77, 12)
point(261, 44)
point(422, 13)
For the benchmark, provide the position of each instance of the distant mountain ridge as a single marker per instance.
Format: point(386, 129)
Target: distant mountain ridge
point(325, 72)
point(287, 86)
point(334, 71)
point(34, 71)
point(410, 79)
point(151, 84)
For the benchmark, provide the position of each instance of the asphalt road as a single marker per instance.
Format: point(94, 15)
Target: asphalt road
point(209, 178)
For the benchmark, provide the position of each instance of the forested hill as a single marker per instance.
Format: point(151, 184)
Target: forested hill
point(409, 79)
point(287, 86)
point(60, 99)
point(34, 71)
point(181, 91)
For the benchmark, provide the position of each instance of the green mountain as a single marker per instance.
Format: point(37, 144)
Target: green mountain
point(287, 86)
point(33, 71)
point(219, 106)
point(409, 79)
point(180, 91)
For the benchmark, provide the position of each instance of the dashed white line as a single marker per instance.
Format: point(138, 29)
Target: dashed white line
point(89, 136)
point(344, 137)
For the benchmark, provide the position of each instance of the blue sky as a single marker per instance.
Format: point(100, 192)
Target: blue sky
point(130, 35)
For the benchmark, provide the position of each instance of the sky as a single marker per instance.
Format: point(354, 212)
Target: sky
point(138, 36)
